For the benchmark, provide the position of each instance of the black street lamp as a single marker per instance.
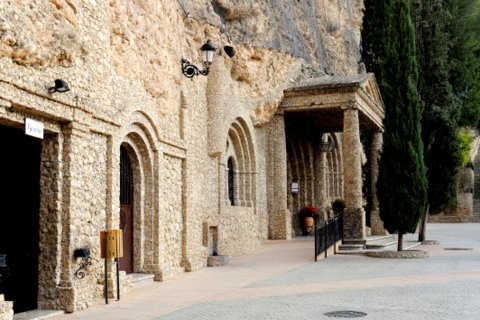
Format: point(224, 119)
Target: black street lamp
point(189, 70)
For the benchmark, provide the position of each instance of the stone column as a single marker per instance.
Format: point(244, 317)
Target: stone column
point(280, 220)
point(354, 226)
point(75, 136)
point(320, 169)
point(375, 222)
point(215, 89)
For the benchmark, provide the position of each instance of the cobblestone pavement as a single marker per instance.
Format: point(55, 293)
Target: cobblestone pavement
point(280, 280)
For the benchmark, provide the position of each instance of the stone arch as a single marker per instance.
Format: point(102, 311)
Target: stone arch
point(319, 175)
point(139, 142)
point(240, 149)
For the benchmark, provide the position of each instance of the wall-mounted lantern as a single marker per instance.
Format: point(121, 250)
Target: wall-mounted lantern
point(189, 70)
point(84, 254)
point(59, 86)
point(3, 272)
point(3, 260)
point(327, 144)
point(294, 188)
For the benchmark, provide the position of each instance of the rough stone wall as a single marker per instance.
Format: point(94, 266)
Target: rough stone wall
point(122, 61)
point(174, 215)
point(6, 309)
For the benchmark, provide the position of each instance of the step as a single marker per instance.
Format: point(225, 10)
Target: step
point(37, 314)
point(142, 278)
point(379, 242)
point(351, 247)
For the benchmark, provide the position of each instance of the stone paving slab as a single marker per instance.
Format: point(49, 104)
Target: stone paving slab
point(280, 280)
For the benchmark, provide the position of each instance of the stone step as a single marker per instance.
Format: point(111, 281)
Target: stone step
point(142, 278)
point(351, 247)
point(37, 314)
point(378, 242)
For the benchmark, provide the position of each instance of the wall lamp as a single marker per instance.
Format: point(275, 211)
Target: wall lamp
point(294, 188)
point(189, 70)
point(327, 144)
point(84, 254)
point(59, 86)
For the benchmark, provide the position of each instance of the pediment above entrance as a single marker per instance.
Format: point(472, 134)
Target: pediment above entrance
point(323, 100)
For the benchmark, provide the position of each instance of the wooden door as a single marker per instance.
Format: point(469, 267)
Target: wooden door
point(126, 210)
point(126, 224)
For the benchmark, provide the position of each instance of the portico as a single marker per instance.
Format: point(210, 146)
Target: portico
point(340, 108)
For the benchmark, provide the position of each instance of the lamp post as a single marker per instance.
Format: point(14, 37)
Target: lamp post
point(189, 70)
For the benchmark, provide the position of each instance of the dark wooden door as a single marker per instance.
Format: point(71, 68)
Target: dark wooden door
point(126, 223)
point(126, 210)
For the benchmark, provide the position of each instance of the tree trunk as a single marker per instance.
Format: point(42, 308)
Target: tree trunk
point(423, 224)
point(400, 241)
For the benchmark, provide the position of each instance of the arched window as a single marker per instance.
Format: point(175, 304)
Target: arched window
point(231, 179)
point(240, 166)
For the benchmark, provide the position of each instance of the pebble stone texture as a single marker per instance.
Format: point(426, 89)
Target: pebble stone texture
point(121, 60)
point(280, 280)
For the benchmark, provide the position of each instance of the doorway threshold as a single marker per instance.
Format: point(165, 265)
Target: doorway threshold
point(37, 314)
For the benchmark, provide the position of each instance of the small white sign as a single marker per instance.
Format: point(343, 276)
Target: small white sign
point(33, 128)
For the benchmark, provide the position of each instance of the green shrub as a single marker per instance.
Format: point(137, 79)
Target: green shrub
point(338, 205)
point(465, 138)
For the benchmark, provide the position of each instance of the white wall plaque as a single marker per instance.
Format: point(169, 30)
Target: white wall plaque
point(33, 128)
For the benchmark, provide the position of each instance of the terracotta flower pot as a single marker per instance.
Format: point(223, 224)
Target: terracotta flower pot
point(308, 224)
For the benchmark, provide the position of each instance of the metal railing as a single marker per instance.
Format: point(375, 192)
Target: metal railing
point(327, 233)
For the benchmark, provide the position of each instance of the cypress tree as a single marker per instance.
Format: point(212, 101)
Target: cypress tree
point(440, 112)
point(402, 181)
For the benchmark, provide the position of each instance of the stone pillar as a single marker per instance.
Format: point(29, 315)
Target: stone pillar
point(320, 169)
point(216, 108)
point(280, 220)
point(375, 222)
point(74, 206)
point(354, 226)
point(65, 288)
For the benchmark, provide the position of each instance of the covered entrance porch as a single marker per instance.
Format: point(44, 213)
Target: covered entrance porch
point(335, 109)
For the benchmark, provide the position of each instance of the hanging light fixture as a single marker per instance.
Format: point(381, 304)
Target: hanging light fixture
point(189, 70)
point(327, 144)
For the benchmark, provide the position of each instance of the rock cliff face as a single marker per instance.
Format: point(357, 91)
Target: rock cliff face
point(145, 39)
point(40, 33)
point(318, 31)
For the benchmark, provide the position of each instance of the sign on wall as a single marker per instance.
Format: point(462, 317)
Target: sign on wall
point(33, 128)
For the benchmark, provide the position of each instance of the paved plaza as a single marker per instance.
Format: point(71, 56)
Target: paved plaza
point(280, 280)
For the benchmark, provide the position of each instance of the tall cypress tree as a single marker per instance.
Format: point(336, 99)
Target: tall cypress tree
point(440, 112)
point(402, 181)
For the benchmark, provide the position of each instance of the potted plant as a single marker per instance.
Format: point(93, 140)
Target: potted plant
point(308, 215)
point(337, 206)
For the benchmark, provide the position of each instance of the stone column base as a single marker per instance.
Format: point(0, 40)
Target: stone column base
point(354, 227)
point(217, 261)
point(6, 309)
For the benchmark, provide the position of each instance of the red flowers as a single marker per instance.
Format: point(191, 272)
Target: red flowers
point(308, 211)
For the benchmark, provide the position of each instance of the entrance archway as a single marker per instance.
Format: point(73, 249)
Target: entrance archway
point(19, 216)
point(126, 210)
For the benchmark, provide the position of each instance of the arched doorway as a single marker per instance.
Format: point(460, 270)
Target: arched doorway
point(126, 210)
point(19, 216)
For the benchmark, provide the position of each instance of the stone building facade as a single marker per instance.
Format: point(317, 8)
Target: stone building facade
point(188, 168)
